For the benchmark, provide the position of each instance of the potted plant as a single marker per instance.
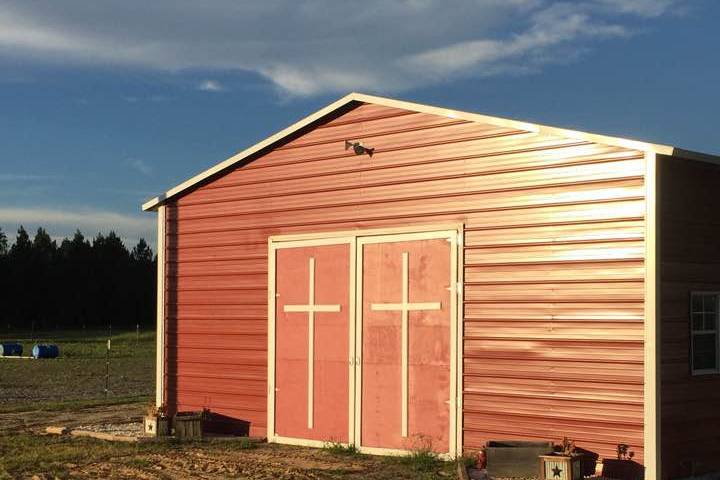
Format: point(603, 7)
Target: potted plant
point(623, 467)
point(563, 464)
point(156, 421)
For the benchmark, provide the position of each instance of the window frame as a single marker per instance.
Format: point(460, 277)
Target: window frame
point(693, 332)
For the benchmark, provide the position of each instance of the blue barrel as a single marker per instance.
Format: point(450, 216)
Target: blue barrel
point(45, 351)
point(8, 349)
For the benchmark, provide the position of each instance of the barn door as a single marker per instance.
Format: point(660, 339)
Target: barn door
point(406, 375)
point(312, 331)
point(362, 341)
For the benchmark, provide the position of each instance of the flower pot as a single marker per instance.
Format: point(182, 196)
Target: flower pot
point(561, 467)
point(158, 426)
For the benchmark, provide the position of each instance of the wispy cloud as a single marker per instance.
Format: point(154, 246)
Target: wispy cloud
point(140, 166)
point(549, 28)
point(644, 8)
point(150, 98)
point(322, 46)
point(61, 223)
point(211, 86)
point(25, 177)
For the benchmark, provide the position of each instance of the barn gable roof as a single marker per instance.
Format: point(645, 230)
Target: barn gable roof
point(354, 98)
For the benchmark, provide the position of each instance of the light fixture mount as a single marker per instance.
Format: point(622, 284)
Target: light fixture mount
point(359, 148)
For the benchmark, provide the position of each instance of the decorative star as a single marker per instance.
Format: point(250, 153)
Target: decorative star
point(556, 471)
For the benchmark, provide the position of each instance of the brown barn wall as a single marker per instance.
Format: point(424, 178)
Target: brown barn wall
point(554, 272)
point(690, 260)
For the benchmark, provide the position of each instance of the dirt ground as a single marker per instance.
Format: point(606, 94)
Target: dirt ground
point(33, 421)
point(264, 462)
point(26, 454)
point(70, 392)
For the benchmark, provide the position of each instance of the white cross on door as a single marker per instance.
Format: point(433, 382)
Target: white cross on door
point(404, 307)
point(311, 308)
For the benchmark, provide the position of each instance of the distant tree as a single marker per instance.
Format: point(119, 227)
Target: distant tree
point(75, 267)
point(79, 283)
point(4, 280)
point(21, 288)
point(143, 277)
point(141, 252)
point(44, 247)
point(22, 245)
point(111, 284)
point(43, 278)
point(3, 243)
point(78, 246)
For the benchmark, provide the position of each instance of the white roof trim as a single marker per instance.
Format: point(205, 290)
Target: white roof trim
point(417, 107)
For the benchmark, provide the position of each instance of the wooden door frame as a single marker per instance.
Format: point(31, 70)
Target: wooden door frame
point(454, 233)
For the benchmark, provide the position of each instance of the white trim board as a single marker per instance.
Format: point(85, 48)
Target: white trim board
point(651, 391)
point(160, 311)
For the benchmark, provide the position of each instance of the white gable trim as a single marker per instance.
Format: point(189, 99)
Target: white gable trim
point(153, 203)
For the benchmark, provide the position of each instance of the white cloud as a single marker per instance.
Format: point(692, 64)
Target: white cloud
point(645, 8)
point(551, 27)
point(63, 223)
point(140, 166)
point(211, 86)
point(319, 46)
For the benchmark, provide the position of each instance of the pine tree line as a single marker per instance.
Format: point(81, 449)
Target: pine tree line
point(78, 284)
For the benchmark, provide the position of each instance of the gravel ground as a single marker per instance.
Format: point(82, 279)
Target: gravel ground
point(131, 429)
point(36, 420)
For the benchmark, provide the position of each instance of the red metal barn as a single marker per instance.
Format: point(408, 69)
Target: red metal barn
point(392, 274)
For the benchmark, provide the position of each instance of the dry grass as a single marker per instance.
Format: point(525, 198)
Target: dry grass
point(69, 391)
point(77, 378)
point(25, 455)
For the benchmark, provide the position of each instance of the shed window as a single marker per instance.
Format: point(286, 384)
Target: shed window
point(704, 332)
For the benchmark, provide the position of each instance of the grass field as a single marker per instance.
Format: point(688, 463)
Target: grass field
point(70, 391)
point(77, 377)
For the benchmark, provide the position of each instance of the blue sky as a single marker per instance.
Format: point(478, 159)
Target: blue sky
point(106, 104)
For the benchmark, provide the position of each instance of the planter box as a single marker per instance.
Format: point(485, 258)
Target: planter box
point(189, 425)
point(561, 467)
point(511, 458)
point(622, 469)
point(158, 426)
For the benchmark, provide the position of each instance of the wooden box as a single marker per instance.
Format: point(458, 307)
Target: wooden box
point(561, 467)
point(158, 426)
point(189, 425)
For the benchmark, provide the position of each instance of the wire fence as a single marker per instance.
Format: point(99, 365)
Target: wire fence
point(92, 365)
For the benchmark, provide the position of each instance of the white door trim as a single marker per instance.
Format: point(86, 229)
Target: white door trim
point(273, 247)
point(452, 237)
point(454, 234)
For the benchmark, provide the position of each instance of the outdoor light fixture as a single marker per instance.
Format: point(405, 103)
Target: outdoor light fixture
point(358, 148)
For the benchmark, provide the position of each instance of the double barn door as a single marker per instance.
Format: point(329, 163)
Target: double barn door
point(363, 343)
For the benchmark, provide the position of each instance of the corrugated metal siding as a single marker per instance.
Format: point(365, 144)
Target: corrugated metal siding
point(553, 266)
point(690, 260)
